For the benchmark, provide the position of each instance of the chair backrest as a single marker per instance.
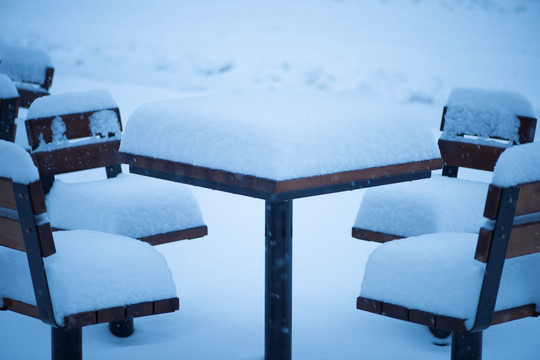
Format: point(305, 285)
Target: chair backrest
point(513, 209)
point(478, 125)
point(22, 206)
point(9, 108)
point(73, 132)
point(30, 69)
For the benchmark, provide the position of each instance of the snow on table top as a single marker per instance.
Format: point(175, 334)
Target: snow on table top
point(24, 64)
point(438, 273)
point(278, 136)
point(518, 164)
point(16, 164)
point(128, 205)
point(7, 88)
point(68, 103)
point(486, 113)
point(437, 204)
point(90, 270)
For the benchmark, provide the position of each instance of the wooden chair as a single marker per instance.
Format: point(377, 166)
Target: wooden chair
point(30, 69)
point(455, 281)
point(70, 279)
point(80, 131)
point(477, 126)
point(9, 108)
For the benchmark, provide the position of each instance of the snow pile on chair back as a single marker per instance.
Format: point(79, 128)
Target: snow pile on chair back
point(278, 136)
point(16, 164)
point(69, 103)
point(7, 88)
point(24, 64)
point(486, 113)
point(520, 165)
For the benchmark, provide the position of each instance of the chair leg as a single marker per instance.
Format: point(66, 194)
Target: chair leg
point(66, 344)
point(467, 346)
point(121, 328)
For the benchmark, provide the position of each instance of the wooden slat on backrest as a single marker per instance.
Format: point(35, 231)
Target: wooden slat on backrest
point(7, 198)
point(479, 155)
point(11, 234)
point(525, 236)
point(76, 158)
point(10, 228)
point(77, 126)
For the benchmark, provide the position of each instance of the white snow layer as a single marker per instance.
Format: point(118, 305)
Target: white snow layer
point(438, 273)
point(278, 136)
point(7, 88)
point(486, 113)
point(16, 164)
point(518, 164)
point(90, 270)
point(128, 205)
point(24, 64)
point(438, 204)
point(69, 103)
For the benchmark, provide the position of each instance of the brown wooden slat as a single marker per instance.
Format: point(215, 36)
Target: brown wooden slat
point(77, 126)
point(275, 187)
point(166, 305)
point(514, 314)
point(395, 311)
point(483, 245)
point(185, 234)
point(370, 305)
point(492, 202)
point(111, 314)
point(470, 155)
point(80, 319)
point(76, 158)
point(422, 317)
point(450, 323)
point(11, 235)
point(20, 307)
point(529, 198)
point(49, 73)
point(527, 129)
point(349, 176)
point(524, 239)
point(38, 199)
point(376, 236)
point(27, 96)
point(140, 309)
point(411, 315)
point(46, 240)
point(7, 197)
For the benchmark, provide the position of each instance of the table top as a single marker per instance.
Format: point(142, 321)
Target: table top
point(278, 146)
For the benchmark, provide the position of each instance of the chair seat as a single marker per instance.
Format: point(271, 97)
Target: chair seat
point(438, 204)
point(129, 205)
point(90, 271)
point(437, 273)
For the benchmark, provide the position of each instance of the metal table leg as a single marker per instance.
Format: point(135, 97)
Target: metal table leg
point(278, 280)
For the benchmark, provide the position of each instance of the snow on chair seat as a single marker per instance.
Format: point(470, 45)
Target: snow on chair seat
point(9, 108)
point(455, 281)
point(79, 131)
point(70, 279)
point(30, 69)
point(478, 125)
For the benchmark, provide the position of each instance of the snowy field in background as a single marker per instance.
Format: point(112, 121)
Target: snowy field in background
point(407, 52)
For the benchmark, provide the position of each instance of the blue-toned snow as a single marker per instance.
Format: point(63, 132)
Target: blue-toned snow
point(410, 53)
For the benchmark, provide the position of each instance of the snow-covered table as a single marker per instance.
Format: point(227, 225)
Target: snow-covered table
point(278, 147)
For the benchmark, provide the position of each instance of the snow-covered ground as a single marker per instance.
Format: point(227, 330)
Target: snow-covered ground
point(410, 52)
